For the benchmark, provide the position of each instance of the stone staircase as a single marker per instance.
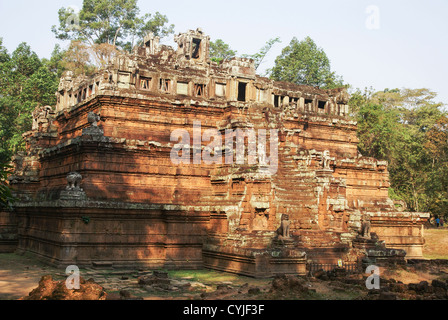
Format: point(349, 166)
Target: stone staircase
point(295, 189)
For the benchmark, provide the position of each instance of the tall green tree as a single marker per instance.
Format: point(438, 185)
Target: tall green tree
point(26, 82)
point(113, 22)
point(4, 67)
point(56, 63)
point(304, 63)
point(17, 69)
point(378, 132)
point(219, 50)
point(410, 130)
point(4, 56)
point(9, 134)
point(436, 146)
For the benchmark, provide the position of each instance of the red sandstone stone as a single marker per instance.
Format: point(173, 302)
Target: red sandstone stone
point(145, 210)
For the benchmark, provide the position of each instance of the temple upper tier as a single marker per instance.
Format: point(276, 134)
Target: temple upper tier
point(188, 73)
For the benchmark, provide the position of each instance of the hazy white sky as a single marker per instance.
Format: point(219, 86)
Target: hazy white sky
point(400, 44)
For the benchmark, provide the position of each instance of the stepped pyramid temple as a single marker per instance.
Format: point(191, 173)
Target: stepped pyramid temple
point(166, 159)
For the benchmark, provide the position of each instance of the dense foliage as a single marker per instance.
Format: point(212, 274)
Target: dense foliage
point(410, 130)
point(304, 63)
point(219, 50)
point(25, 82)
point(113, 22)
point(6, 196)
point(103, 28)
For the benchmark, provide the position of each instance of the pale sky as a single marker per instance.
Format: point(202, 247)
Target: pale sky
point(375, 43)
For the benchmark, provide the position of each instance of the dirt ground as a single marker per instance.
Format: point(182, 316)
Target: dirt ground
point(20, 274)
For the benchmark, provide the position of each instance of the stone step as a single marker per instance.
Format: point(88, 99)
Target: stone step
point(294, 187)
point(294, 196)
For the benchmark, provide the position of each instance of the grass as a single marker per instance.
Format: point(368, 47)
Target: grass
point(436, 243)
point(212, 277)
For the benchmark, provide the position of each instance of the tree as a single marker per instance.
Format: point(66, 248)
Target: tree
point(260, 55)
point(26, 82)
point(409, 130)
point(56, 63)
point(77, 59)
point(4, 57)
point(378, 132)
point(8, 132)
point(4, 67)
point(156, 24)
point(40, 88)
point(6, 196)
point(303, 63)
point(114, 22)
point(219, 50)
point(436, 146)
point(17, 69)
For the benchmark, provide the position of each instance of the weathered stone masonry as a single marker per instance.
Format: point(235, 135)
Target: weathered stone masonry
point(127, 204)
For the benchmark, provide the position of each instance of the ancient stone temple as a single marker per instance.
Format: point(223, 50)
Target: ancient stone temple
point(141, 165)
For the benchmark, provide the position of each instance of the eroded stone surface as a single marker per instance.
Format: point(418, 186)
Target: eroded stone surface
point(134, 206)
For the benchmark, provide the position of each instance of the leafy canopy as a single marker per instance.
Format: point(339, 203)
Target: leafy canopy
point(25, 83)
point(219, 51)
point(303, 63)
point(408, 129)
point(114, 22)
point(102, 28)
point(6, 196)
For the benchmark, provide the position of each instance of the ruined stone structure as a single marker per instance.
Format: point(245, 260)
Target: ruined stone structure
point(98, 184)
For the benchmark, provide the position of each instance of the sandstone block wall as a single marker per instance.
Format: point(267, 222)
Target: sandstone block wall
point(8, 232)
point(114, 131)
